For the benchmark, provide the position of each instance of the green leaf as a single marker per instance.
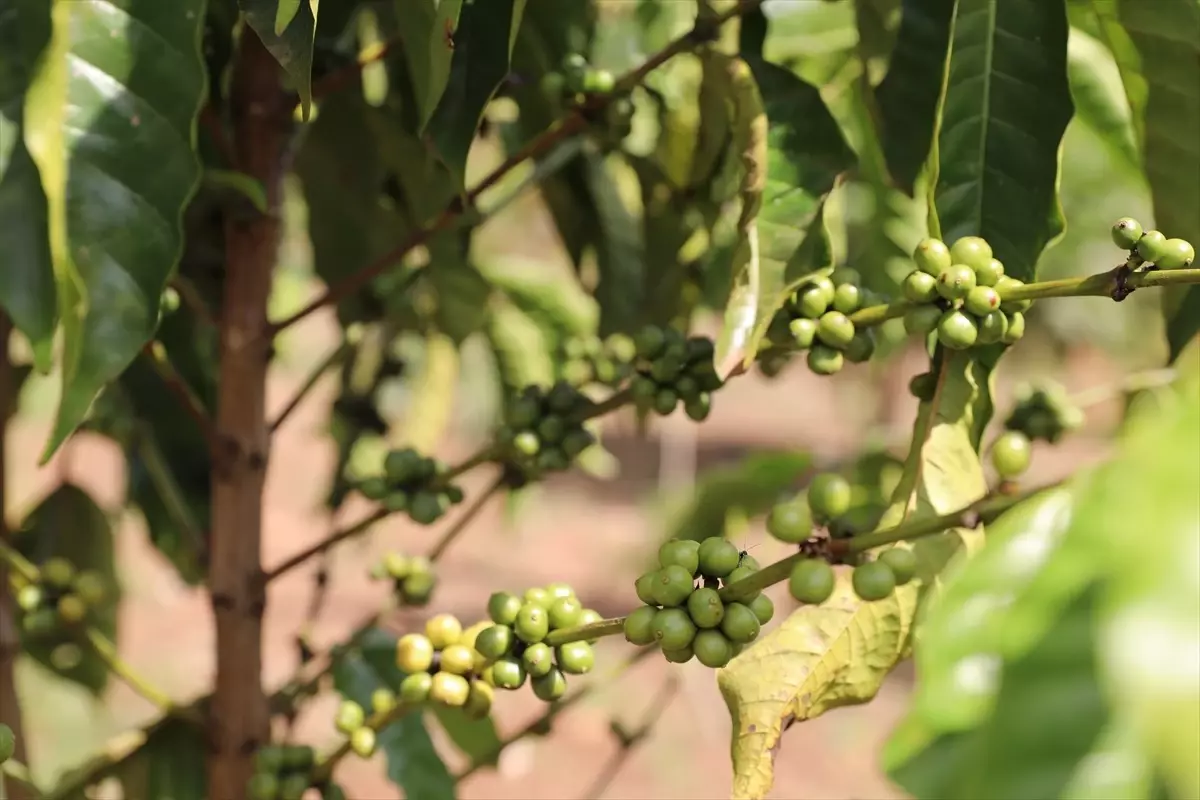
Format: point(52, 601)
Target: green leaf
point(170, 765)
point(806, 154)
point(68, 524)
point(285, 12)
point(1167, 37)
point(751, 486)
point(482, 55)
point(293, 47)
point(1100, 100)
point(26, 270)
point(910, 93)
point(1150, 614)
point(427, 28)
point(476, 738)
point(620, 250)
point(1007, 105)
point(240, 183)
point(1048, 714)
point(430, 403)
point(413, 763)
point(819, 658)
point(522, 348)
point(100, 105)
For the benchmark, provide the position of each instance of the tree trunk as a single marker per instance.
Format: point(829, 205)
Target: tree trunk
point(10, 643)
point(239, 721)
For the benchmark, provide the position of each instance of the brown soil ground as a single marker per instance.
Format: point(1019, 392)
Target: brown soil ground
point(593, 534)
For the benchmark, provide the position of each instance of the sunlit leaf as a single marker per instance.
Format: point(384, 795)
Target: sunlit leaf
point(1100, 100)
point(427, 29)
point(292, 46)
point(1007, 105)
point(430, 401)
point(118, 81)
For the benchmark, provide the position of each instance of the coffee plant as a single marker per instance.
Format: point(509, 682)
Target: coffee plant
point(827, 202)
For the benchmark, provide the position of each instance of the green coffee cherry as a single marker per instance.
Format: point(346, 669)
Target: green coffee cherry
point(973, 251)
point(873, 581)
point(293, 787)
point(920, 287)
point(1152, 246)
point(902, 562)
point(1176, 254)
point(1008, 306)
point(425, 508)
point(712, 648)
point(443, 630)
point(923, 386)
point(503, 608)
point(992, 327)
point(508, 673)
point(1016, 328)
point(414, 689)
point(803, 331)
point(956, 282)
point(812, 581)
point(835, 329)
point(861, 347)
point(956, 330)
point(263, 786)
point(350, 717)
point(1126, 232)
point(1011, 454)
point(598, 81)
point(450, 689)
point(845, 276)
point(533, 623)
point(58, 573)
point(990, 274)
point(665, 402)
point(383, 701)
point(639, 626)
point(932, 256)
point(742, 572)
point(538, 596)
point(673, 628)
point(982, 300)
point(551, 686)
point(828, 496)
point(680, 656)
point(458, 659)
point(921, 320)
point(416, 589)
point(790, 522)
point(672, 585)
point(479, 700)
point(824, 360)
point(706, 608)
point(414, 653)
point(538, 659)
point(680, 552)
point(811, 302)
point(644, 587)
point(740, 625)
point(717, 557)
point(698, 408)
point(763, 608)
point(564, 612)
point(847, 298)
point(362, 742)
point(575, 658)
point(269, 758)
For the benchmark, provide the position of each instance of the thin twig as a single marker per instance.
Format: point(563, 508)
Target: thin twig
point(329, 362)
point(1137, 382)
point(465, 519)
point(630, 742)
point(542, 722)
point(157, 355)
point(189, 295)
point(576, 121)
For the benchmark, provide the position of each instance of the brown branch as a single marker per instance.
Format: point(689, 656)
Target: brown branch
point(576, 121)
point(239, 720)
point(631, 741)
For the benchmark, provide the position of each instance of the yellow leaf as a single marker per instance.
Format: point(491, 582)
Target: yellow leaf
point(820, 658)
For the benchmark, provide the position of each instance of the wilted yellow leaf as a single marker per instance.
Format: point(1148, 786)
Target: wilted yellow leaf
point(820, 658)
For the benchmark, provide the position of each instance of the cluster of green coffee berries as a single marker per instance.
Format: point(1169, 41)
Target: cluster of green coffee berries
point(441, 667)
point(576, 79)
point(411, 483)
point(1151, 247)
point(281, 772)
point(956, 291)
point(1043, 412)
point(514, 645)
point(827, 501)
point(816, 318)
point(586, 359)
point(684, 612)
point(412, 577)
point(671, 369)
point(61, 597)
point(543, 431)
